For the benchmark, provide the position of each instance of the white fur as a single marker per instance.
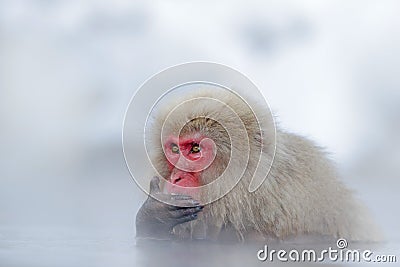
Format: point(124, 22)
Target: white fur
point(301, 195)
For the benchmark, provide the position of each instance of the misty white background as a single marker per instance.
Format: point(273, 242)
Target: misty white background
point(329, 70)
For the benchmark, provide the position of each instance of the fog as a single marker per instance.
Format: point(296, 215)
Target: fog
point(68, 69)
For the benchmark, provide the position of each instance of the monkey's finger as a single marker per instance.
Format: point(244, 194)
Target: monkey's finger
point(184, 204)
point(180, 197)
point(184, 201)
point(154, 185)
point(187, 218)
point(185, 212)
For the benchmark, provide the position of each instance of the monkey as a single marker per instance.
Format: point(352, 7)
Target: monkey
point(301, 195)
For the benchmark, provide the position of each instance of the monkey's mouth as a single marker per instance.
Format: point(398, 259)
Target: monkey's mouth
point(177, 180)
point(186, 180)
point(183, 179)
point(181, 182)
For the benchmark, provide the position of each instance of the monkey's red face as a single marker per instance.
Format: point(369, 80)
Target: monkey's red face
point(187, 157)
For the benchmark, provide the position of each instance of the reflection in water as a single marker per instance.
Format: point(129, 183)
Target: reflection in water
point(200, 253)
point(65, 247)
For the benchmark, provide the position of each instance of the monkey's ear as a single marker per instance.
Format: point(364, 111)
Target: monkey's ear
point(154, 185)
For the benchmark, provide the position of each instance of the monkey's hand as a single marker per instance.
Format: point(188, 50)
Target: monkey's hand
point(156, 219)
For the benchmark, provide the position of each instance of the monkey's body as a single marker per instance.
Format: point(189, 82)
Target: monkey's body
point(301, 195)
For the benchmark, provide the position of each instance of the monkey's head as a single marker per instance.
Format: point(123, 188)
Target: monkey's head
point(197, 155)
point(193, 137)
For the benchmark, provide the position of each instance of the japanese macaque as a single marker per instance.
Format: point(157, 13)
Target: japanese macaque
point(300, 196)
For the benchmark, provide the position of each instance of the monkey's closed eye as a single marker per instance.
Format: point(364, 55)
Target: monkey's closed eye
point(195, 148)
point(174, 148)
